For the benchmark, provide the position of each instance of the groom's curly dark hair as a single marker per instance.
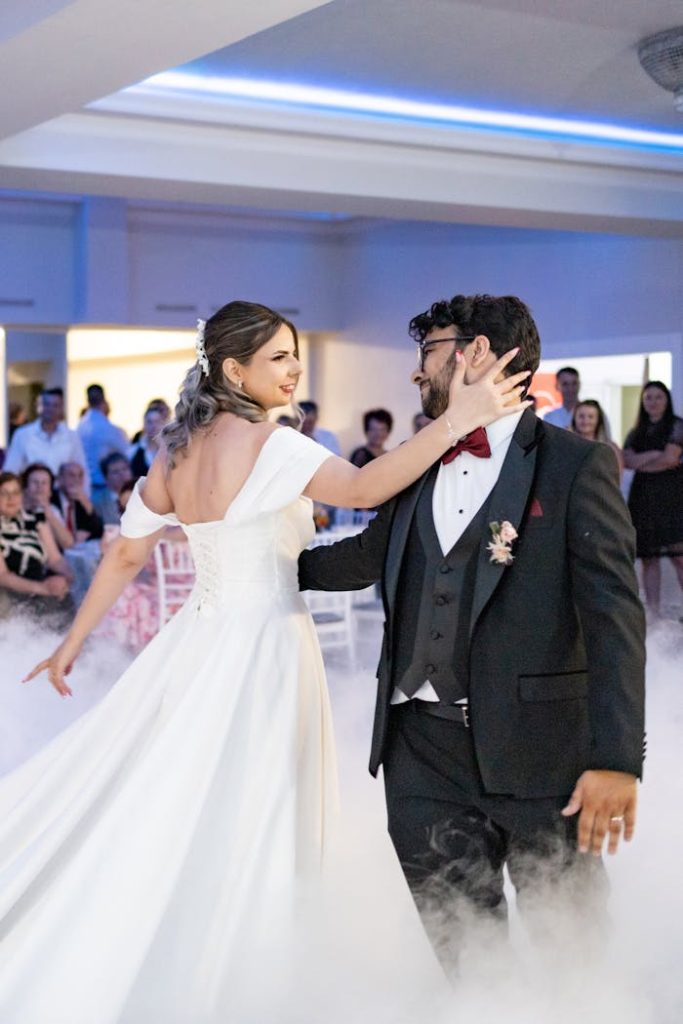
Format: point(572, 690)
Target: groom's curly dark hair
point(505, 320)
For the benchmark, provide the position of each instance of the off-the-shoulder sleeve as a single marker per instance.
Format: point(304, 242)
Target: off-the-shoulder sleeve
point(287, 462)
point(138, 520)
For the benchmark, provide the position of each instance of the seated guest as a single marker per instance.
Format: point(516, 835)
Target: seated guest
point(377, 424)
point(116, 472)
point(77, 509)
point(33, 573)
point(142, 454)
point(38, 482)
point(124, 495)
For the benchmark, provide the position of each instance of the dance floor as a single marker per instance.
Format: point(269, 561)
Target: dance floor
point(376, 967)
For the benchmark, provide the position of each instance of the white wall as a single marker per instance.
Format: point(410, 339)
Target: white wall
point(588, 293)
point(355, 286)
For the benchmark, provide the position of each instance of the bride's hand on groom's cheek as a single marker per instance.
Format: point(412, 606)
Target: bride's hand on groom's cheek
point(606, 801)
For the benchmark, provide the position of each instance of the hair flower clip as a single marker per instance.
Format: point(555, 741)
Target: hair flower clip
point(202, 357)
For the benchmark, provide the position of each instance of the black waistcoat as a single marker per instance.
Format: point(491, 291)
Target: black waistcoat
point(434, 604)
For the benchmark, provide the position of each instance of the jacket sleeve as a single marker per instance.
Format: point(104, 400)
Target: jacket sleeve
point(601, 544)
point(352, 563)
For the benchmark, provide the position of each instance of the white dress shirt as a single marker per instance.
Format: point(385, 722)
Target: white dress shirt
point(31, 444)
point(559, 417)
point(461, 488)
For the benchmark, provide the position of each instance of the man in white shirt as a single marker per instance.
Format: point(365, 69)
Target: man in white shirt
point(310, 427)
point(47, 440)
point(510, 716)
point(568, 383)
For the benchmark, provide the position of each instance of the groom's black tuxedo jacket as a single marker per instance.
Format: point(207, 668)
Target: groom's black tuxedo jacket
point(556, 639)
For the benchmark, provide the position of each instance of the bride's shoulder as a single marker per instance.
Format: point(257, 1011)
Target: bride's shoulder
point(156, 494)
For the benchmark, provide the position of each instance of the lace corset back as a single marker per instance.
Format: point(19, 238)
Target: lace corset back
point(254, 548)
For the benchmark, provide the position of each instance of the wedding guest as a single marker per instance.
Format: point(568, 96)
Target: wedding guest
point(124, 495)
point(141, 455)
point(377, 425)
point(116, 472)
point(77, 509)
point(588, 422)
point(159, 405)
point(420, 421)
point(99, 436)
point(47, 440)
point(653, 449)
point(310, 428)
point(33, 573)
point(38, 482)
point(17, 417)
point(568, 383)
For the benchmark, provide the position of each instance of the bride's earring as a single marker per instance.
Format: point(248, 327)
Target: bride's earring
point(240, 384)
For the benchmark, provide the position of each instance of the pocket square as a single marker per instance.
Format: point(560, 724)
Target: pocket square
point(536, 509)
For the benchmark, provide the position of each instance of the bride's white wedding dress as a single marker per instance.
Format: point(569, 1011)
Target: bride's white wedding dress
point(154, 843)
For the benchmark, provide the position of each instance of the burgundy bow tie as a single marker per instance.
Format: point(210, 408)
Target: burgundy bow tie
point(476, 443)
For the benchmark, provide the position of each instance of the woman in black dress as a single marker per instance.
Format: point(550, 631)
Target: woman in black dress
point(377, 424)
point(653, 449)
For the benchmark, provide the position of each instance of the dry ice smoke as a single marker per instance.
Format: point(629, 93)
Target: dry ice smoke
point(360, 955)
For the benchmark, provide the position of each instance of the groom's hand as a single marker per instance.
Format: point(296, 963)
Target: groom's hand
point(607, 801)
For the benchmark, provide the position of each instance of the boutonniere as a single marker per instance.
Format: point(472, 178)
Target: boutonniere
point(503, 535)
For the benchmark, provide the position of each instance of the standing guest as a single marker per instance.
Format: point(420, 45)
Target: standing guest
point(99, 436)
point(116, 472)
point(76, 508)
point(124, 495)
point(653, 449)
point(420, 421)
point(159, 405)
point(33, 573)
point(17, 417)
point(47, 440)
point(38, 482)
point(377, 425)
point(568, 383)
point(310, 428)
point(589, 422)
point(141, 455)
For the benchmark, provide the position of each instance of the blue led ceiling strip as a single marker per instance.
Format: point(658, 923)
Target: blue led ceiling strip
point(415, 111)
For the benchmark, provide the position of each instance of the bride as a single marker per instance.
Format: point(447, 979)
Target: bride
point(149, 847)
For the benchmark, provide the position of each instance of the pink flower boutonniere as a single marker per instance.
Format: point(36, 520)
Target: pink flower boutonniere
point(503, 536)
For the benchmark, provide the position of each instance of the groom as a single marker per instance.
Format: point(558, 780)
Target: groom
point(509, 717)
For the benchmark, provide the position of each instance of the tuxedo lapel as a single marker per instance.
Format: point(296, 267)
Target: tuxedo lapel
point(508, 501)
point(400, 529)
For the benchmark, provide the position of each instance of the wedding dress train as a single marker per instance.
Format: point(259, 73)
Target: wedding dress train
point(155, 842)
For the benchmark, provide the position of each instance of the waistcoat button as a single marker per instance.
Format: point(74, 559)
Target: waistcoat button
point(441, 599)
point(435, 635)
point(431, 669)
point(444, 568)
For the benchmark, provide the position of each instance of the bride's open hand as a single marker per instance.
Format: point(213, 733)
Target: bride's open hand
point(58, 666)
point(492, 396)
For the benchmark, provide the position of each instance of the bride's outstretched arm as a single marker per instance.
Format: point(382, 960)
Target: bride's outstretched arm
point(122, 562)
point(339, 483)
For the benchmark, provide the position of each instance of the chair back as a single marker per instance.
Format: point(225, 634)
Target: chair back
point(175, 576)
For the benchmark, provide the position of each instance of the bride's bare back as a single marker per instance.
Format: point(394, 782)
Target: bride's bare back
point(209, 475)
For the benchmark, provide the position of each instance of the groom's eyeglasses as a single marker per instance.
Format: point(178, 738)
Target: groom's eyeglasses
point(425, 347)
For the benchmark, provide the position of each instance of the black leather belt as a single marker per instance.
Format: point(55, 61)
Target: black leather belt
point(453, 712)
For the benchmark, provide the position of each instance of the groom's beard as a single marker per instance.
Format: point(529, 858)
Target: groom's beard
point(434, 395)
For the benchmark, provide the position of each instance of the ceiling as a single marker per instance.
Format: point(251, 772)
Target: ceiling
point(76, 119)
point(575, 58)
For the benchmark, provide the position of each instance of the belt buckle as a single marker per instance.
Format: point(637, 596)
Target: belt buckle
point(466, 715)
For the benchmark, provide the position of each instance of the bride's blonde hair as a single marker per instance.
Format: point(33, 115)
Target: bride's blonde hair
point(236, 331)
